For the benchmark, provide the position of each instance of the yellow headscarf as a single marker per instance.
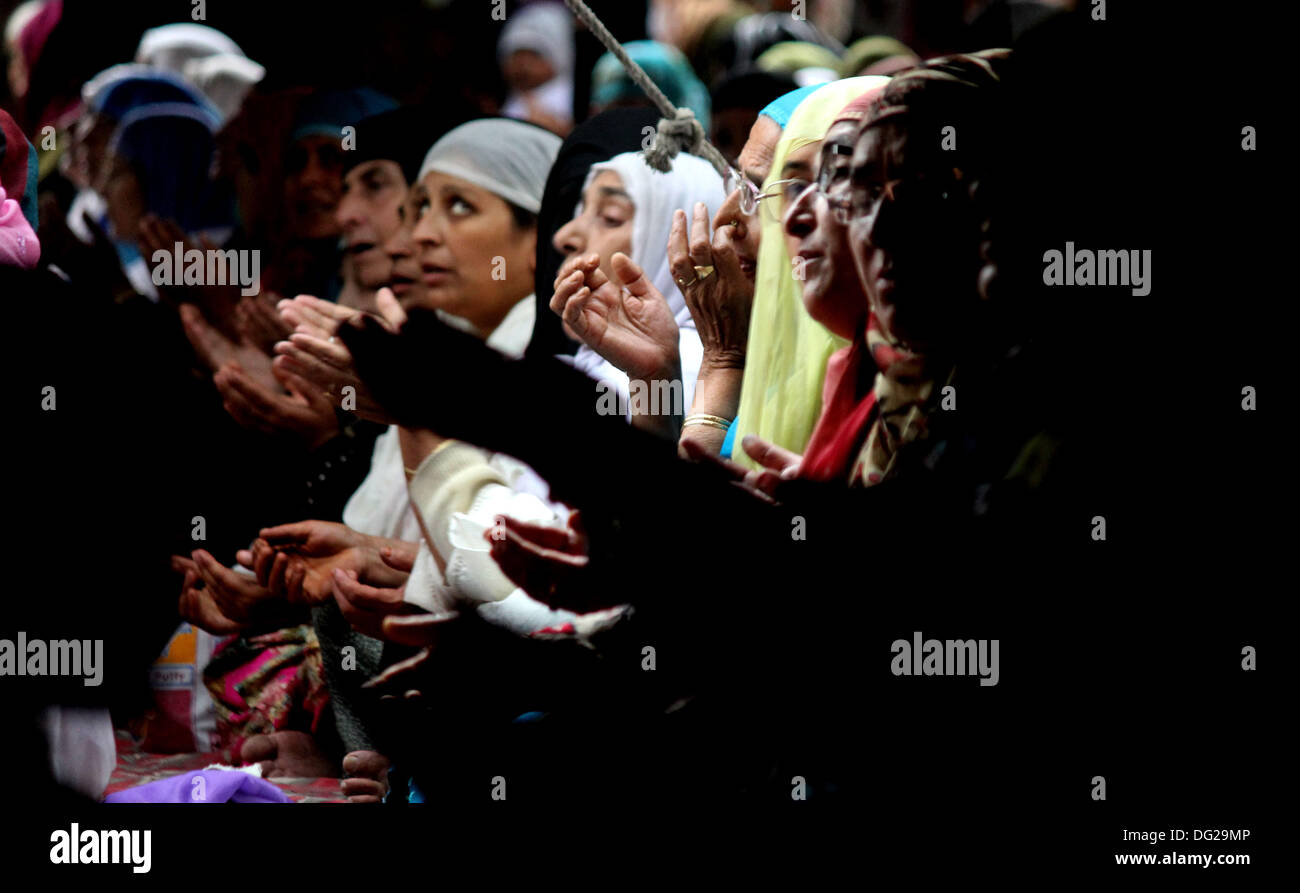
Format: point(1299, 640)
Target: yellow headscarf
point(785, 363)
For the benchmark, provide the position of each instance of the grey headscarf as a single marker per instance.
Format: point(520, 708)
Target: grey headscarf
point(508, 158)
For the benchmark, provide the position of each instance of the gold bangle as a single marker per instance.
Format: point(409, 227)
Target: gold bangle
point(704, 415)
point(709, 422)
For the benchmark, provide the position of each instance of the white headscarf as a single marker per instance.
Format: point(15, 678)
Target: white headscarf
point(510, 159)
point(656, 196)
point(544, 28)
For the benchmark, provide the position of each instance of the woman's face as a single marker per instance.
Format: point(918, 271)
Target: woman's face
point(124, 195)
point(367, 214)
point(312, 186)
point(818, 242)
point(602, 224)
point(475, 261)
point(914, 237)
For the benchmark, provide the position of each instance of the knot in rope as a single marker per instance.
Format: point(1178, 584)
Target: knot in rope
point(680, 133)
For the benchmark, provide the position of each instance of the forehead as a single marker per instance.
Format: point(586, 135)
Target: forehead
point(881, 144)
point(760, 146)
point(374, 166)
point(605, 180)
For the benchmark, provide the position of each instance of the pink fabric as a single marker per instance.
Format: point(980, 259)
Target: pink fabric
point(19, 246)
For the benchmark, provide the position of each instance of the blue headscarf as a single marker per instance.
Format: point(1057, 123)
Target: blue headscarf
point(328, 112)
point(666, 66)
point(127, 87)
point(170, 146)
point(780, 109)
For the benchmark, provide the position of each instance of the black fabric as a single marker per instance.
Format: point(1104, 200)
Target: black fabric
point(598, 139)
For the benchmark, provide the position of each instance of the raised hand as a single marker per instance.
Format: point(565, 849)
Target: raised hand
point(550, 563)
point(215, 350)
point(721, 302)
point(628, 322)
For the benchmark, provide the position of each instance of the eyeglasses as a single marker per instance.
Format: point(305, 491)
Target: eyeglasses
point(748, 191)
point(788, 191)
point(921, 196)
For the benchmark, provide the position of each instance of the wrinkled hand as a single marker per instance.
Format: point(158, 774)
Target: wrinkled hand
point(315, 354)
point(629, 322)
point(298, 409)
point(720, 303)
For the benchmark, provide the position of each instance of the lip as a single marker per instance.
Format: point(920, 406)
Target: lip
point(435, 275)
point(400, 284)
point(358, 248)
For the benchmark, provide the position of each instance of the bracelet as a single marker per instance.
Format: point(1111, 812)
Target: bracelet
point(701, 416)
point(710, 421)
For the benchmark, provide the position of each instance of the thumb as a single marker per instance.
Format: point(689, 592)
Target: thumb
point(631, 276)
point(390, 308)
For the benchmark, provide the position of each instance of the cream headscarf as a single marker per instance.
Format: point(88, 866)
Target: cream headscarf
point(785, 364)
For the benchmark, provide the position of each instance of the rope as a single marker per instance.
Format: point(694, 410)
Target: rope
point(678, 130)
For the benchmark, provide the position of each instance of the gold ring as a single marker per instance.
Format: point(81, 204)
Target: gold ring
point(704, 272)
point(684, 284)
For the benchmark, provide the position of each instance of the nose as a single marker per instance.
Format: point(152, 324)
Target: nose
point(348, 214)
point(729, 212)
point(399, 244)
point(799, 218)
point(570, 238)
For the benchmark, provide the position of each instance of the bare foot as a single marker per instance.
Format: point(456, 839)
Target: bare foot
point(288, 755)
point(367, 780)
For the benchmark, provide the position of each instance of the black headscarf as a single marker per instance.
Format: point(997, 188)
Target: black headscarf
point(404, 135)
point(598, 139)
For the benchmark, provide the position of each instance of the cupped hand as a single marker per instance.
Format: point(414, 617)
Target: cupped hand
point(297, 410)
point(628, 322)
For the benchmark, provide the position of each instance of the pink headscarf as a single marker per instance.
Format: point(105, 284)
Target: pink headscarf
point(19, 246)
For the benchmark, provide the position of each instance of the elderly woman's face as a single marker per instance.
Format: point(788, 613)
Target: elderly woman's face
point(367, 213)
point(818, 242)
point(913, 235)
point(602, 224)
point(475, 261)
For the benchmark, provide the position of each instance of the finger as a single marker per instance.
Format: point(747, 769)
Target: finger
point(258, 398)
point(564, 289)
point(244, 558)
point(768, 454)
point(389, 308)
point(725, 259)
point(548, 536)
point(398, 559)
point(417, 629)
point(292, 359)
point(287, 534)
point(700, 252)
point(367, 598)
point(574, 307)
point(327, 309)
point(300, 387)
point(632, 277)
point(402, 668)
point(181, 564)
point(696, 452)
point(333, 353)
point(295, 582)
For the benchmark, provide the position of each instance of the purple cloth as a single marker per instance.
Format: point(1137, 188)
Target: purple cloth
point(218, 786)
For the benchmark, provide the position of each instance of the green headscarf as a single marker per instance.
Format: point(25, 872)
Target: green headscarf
point(785, 364)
